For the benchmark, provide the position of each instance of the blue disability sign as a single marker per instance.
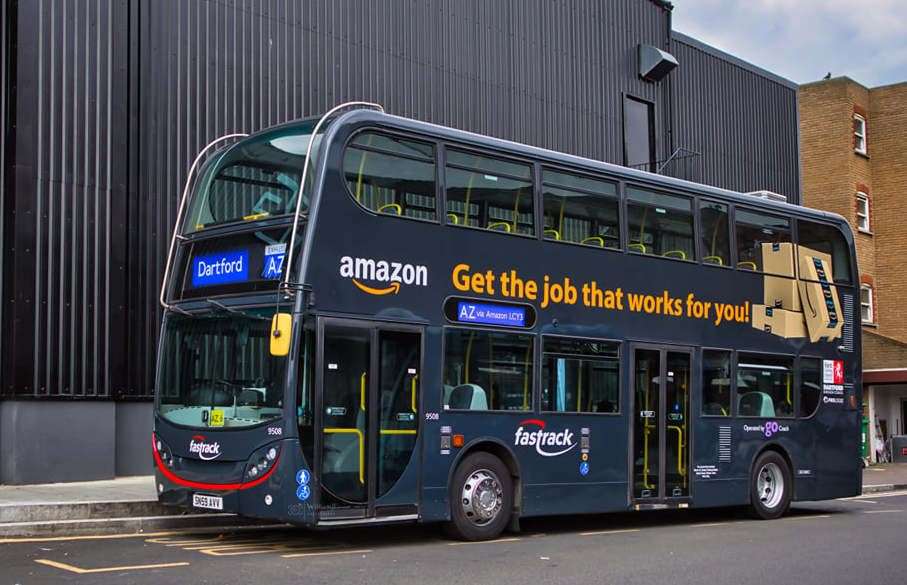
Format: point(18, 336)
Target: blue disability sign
point(491, 314)
point(221, 268)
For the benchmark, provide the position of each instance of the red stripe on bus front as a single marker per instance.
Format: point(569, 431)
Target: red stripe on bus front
point(207, 486)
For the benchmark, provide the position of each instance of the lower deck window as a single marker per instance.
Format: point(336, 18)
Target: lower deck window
point(765, 385)
point(580, 375)
point(716, 383)
point(487, 370)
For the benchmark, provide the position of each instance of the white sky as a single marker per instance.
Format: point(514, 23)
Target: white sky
point(803, 40)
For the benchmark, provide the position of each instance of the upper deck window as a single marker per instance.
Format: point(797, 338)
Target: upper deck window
point(489, 193)
point(256, 179)
point(392, 175)
point(660, 224)
point(581, 210)
point(760, 242)
point(715, 238)
point(830, 244)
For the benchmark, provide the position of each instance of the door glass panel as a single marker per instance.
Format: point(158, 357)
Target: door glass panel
point(677, 436)
point(399, 391)
point(645, 428)
point(346, 363)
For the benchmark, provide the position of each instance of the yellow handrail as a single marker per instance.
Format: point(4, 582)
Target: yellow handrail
point(360, 441)
point(398, 431)
point(681, 468)
point(362, 391)
point(413, 389)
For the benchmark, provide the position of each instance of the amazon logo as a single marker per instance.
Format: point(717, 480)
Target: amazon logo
point(382, 277)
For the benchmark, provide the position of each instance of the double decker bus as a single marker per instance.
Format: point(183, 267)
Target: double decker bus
point(371, 319)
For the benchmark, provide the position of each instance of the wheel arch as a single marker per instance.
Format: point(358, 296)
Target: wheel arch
point(499, 449)
point(780, 450)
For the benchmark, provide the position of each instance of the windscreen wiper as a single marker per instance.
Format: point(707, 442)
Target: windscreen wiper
point(236, 311)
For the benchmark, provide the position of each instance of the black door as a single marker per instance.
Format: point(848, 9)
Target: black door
point(369, 412)
point(661, 386)
point(639, 134)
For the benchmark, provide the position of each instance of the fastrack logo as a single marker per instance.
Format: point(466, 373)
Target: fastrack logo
point(206, 451)
point(543, 440)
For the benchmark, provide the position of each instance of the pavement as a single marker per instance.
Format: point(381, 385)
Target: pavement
point(130, 504)
point(884, 477)
point(127, 504)
point(853, 540)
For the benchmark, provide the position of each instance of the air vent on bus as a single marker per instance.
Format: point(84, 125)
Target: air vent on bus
point(847, 341)
point(770, 195)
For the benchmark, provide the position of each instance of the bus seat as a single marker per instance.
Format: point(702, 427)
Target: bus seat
point(553, 234)
point(747, 265)
point(468, 397)
point(675, 254)
point(594, 241)
point(637, 247)
point(499, 226)
point(391, 209)
point(756, 404)
point(453, 218)
point(713, 260)
point(446, 398)
point(250, 397)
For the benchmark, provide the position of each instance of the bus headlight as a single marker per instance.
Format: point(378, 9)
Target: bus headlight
point(261, 462)
point(162, 450)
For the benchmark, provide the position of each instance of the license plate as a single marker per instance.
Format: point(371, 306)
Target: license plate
point(207, 502)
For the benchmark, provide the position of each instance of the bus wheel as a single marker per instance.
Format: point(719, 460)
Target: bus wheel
point(770, 486)
point(481, 498)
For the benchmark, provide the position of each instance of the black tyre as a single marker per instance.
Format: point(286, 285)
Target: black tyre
point(771, 486)
point(481, 498)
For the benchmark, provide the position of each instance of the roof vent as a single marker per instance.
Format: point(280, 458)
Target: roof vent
point(655, 64)
point(770, 195)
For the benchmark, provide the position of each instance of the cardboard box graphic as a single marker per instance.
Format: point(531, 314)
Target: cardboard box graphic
point(778, 258)
point(779, 322)
point(819, 296)
point(782, 293)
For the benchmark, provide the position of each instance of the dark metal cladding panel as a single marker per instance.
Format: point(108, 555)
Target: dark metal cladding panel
point(743, 121)
point(5, 131)
point(70, 140)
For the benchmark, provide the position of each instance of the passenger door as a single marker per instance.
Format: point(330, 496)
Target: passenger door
point(660, 454)
point(369, 401)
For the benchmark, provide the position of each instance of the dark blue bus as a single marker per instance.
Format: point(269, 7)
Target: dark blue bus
point(371, 319)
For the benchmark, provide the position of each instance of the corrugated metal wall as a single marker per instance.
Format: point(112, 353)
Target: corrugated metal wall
point(117, 96)
point(744, 123)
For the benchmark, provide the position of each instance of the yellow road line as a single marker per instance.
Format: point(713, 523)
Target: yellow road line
point(609, 532)
point(233, 544)
point(512, 539)
point(81, 571)
point(249, 550)
point(87, 537)
point(327, 553)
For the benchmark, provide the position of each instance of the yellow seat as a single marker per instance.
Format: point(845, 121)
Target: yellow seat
point(714, 260)
point(675, 254)
point(391, 208)
point(594, 241)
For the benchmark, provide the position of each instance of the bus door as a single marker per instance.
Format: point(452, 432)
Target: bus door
point(661, 383)
point(368, 415)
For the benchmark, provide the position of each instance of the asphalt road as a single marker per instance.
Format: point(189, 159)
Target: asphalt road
point(853, 541)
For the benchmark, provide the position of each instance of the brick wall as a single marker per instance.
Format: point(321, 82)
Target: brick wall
point(833, 173)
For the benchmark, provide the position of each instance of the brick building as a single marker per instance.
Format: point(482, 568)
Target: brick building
point(853, 149)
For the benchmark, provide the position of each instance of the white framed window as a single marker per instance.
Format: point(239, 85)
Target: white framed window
point(866, 303)
point(863, 212)
point(859, 133)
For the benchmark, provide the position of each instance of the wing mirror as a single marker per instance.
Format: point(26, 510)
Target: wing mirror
point(281, 334)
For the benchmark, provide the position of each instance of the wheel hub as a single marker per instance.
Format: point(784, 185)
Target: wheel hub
point(482, 497)
point(770, 485)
